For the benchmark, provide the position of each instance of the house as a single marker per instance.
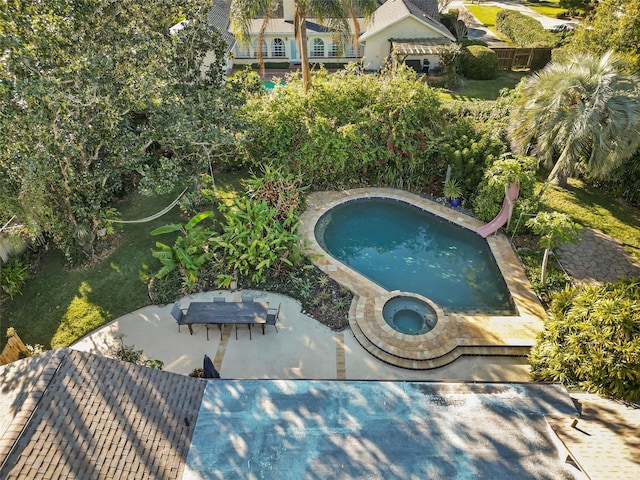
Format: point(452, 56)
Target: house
point(411, 30)
point(71, 414)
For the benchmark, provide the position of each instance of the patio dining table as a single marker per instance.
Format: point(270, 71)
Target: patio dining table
point(221, 313)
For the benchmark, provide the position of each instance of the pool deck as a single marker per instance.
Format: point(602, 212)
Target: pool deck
point(455, 334)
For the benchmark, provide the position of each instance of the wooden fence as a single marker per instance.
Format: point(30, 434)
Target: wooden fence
point(522, 58)
point(14, 350)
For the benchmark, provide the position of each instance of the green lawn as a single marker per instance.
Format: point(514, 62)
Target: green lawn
point(485, 89)
point(548, 8)
point(58, 306)
point(591, 208)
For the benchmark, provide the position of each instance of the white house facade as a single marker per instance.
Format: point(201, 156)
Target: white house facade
point(398, 27)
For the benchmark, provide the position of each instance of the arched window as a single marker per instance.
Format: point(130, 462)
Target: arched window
point(317, 47)
point(242, 50)
point(277, 48)
point(264, 48)
point(333, 49)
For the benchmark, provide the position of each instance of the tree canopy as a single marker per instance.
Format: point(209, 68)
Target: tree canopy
point(612, 25)
point(88, 90)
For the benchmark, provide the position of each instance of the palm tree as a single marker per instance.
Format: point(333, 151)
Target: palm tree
point(332, 13)
point(583, 113)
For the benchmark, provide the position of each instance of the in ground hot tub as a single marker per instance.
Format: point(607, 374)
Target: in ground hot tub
point(409, 315)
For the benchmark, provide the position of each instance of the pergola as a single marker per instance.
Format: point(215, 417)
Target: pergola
point(401, 48)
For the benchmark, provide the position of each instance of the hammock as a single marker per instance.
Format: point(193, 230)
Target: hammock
point(155, 215)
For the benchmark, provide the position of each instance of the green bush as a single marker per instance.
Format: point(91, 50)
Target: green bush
point(479, 63)
point(469, 153)
point(591, 340)
point(624, 181)
point(524, 31)
point(355, 130)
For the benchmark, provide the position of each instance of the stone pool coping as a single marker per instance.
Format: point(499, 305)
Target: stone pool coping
point(463, 333)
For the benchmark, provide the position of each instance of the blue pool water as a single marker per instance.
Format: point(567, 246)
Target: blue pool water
point(268, 85)
point(402, 247)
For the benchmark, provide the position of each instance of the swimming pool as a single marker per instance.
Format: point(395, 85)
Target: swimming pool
point(454, 333)
point(402, 247)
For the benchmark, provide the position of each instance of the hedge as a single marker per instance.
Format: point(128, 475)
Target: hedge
point(524, 31)
point(479, 63)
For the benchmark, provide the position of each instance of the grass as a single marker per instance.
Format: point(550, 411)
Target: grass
point(485, 89)
point(548, 8)
point(592, 208)
point(58, 306)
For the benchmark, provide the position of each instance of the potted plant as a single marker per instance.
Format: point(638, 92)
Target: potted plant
point(452, 191)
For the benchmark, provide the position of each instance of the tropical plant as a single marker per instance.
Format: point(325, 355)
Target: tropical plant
point(255, 242)
point(583, 114)
point(452, 189)
point(591, 340)
point(12, 276)
point(333, 13)
point(554, 228)
point(190, 251)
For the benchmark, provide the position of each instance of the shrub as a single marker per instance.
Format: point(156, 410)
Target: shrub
point(354, 130)
point(128, 353)
point(591, 340)
point(479, 63)
point(624, 181)
point(467, 42)
point(469, 152)
point(524, 31)
point(555, 279)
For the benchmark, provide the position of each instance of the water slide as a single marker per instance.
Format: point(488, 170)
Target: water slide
point(505, 212)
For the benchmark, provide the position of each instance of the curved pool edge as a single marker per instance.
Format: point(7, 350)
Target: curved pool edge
point(466, 334)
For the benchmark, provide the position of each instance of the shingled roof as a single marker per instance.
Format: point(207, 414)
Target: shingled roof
point(88, 416)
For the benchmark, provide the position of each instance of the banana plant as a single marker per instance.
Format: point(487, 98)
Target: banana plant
point(190, 250)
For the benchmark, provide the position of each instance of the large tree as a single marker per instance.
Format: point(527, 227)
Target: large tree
point(334, 14)
point(79, 83)
point(583, 113)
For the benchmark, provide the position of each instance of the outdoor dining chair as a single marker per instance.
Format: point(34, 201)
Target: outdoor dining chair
point(220, 325)
point(272, 318)
point(178, 314)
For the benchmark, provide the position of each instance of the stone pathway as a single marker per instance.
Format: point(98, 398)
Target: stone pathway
point(597, 258)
